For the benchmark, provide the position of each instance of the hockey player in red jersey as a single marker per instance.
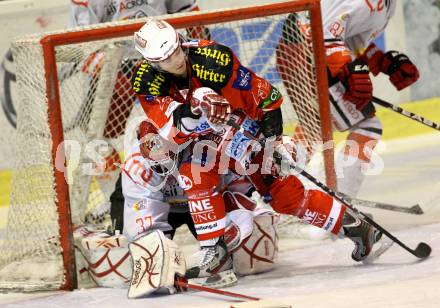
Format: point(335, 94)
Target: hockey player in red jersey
point(220, 87)
point(89, 12)
point(349, 29)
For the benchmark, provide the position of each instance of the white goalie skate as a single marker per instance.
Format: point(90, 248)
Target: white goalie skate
point(211, 266)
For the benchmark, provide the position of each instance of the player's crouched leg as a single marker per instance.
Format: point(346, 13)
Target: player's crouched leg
point(321, 210)
point(208, 214)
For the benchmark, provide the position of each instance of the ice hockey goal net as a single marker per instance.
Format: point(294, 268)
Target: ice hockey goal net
point(75, 96)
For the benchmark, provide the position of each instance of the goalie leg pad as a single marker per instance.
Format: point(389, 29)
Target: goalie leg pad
point(105, 258)
point(156, 261)
point(259, 252)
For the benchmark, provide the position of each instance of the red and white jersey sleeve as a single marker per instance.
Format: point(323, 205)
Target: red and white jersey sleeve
point(88, 12)
point(356, 23)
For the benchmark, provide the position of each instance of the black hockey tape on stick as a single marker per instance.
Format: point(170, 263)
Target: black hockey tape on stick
point(406, 113)
point(422, 250)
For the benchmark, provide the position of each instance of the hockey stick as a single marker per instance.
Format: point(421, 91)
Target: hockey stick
point(183, 285)
point(422, 250)
point(406, 113)
point(415, 209)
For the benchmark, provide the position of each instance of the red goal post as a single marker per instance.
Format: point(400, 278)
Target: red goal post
point(49, 43)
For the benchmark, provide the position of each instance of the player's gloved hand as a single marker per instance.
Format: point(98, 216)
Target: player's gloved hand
point(397, 65)
point(356, 79)
point(214, 106)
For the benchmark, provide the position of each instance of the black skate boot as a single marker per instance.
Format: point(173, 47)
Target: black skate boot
point(361, 233)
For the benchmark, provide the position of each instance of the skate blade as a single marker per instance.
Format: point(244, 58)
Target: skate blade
point(219, 280)
point(383, 246)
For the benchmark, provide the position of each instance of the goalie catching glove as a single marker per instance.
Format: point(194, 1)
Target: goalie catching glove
point(397, 65)
point(212, 105)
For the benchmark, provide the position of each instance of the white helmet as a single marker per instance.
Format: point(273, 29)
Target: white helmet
point(156, 40)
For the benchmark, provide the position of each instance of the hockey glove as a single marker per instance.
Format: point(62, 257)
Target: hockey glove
point(401, 70)
point(214, 106)
point(397, 65)
point(356, 79)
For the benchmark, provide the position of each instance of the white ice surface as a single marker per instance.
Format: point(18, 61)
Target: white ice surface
point(323, 274)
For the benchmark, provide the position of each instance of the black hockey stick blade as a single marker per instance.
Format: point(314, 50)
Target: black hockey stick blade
point(423, 250)
point(416, 209)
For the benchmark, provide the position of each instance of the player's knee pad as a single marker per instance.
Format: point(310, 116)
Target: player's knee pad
point(238, 229)
point(102, 259)
point(258, 253)
point(237, 200)
point(156, 262)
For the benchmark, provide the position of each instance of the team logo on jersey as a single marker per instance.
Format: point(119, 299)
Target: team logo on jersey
point(140, 205)
point(185, 182)
point(139, 41)
point(221, 55)
point(273, 96)
point(314, 218)
point(243, 80)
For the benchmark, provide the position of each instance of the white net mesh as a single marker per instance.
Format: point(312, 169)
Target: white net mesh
point(97, 102)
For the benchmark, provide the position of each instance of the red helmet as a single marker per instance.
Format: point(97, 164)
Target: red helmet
point(155, 149)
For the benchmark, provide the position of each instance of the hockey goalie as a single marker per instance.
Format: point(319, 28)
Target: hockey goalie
point(145, 257)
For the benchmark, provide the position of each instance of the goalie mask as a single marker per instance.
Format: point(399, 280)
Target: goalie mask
point(156, 150)
point(159, 44)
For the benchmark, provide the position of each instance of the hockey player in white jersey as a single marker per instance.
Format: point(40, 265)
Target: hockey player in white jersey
point(151, 192)
point(155, 207)
point(350, 26)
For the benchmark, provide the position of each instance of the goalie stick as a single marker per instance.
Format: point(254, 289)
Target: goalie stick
point(183, 285)
point(406, 113)
point(415, 209)
point(422, 250)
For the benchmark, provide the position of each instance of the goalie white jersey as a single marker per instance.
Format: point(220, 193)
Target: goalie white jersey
point(147, 195)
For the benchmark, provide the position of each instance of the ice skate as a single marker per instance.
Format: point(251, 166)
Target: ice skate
point(211, 266)
point(362, 234)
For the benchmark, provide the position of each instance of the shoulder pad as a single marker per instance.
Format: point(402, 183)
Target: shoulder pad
point(147, 80)
point(212, 64)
